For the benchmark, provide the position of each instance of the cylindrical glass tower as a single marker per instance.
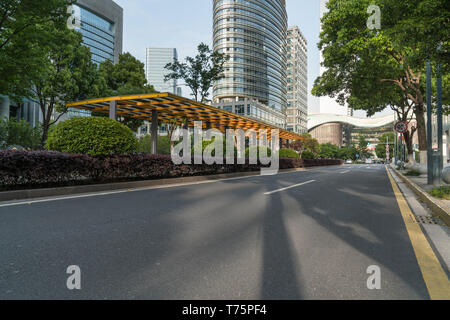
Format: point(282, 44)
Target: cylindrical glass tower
point(253, 33)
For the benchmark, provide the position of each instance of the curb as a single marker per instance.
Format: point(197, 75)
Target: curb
point(65, 191)
point(435, 207)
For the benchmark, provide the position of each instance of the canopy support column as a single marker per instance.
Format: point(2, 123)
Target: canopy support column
point(113, 109)
point(154, 132)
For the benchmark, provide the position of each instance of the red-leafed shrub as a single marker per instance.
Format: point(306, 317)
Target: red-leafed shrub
point(32, 169)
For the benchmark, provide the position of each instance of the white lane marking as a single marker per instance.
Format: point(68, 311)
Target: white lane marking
point(97, 194)
point(294, 186)
point(347, 171)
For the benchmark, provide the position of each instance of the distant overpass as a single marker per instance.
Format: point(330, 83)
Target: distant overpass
point(317, 119)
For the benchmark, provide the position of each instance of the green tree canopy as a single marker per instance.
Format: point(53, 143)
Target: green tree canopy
point(20, 36)
point(67, 73)
point(380, 150)
point(374, 69)
point(124, 78)
point(328, 151)
point(199, 73)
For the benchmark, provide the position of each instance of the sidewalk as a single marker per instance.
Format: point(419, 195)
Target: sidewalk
point(422, 189)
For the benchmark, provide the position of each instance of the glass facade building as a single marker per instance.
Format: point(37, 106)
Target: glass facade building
point(253, 33)
point(102, 28)
point(155, 71)
point(98, 34)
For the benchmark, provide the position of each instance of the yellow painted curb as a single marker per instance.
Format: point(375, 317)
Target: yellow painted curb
point(435, 278)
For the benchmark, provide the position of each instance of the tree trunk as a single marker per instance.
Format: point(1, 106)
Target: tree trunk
point(421, 127)
point(45, 127)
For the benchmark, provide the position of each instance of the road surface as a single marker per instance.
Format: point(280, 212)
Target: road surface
point(302, 235)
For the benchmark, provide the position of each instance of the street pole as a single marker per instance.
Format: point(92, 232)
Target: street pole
point(395, 144)
point(429, 127)
point(439, 124)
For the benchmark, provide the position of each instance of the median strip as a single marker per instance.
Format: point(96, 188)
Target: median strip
point(294, 186)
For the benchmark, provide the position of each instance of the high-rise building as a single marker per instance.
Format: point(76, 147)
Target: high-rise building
point(253, 33)
point(102, 28)
point(297, 81)
point(155, 71)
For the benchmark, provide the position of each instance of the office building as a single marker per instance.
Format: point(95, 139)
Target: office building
point(155, 71)
point(102, 28)
point(297, 81)
point(253, 33)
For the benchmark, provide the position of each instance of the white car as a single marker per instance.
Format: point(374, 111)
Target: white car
point(349, 161)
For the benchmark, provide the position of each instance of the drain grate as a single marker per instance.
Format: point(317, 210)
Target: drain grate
point(428, 220)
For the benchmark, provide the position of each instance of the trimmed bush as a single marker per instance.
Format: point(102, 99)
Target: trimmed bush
point(288, 153)
point(145, 144)
point(92, 136)
point(265, 151)
point(14, 133)
point(308, 155)
point(206, 143)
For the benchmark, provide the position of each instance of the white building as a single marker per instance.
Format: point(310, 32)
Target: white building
point(297, 81)
point(155, 71)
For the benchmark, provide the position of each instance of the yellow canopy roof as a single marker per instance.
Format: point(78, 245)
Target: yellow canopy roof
point(175, 108)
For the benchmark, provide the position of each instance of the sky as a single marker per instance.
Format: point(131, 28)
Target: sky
point(185, 24)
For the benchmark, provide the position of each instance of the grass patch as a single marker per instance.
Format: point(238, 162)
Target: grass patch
point(441, 192)
point(412, 173)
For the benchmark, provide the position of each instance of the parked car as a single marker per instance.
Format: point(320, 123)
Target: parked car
point(369, 161)
point(349, 161)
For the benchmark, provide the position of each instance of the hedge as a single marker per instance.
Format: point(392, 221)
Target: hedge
point(35, 169)
point(93, 136)
point(288, 153)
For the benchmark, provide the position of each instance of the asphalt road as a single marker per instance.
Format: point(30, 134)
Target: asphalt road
point(234, 239)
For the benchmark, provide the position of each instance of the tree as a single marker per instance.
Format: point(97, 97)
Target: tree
point(328, 151)
point(308, 143)
point(362, 147)
point(124, 78)
point(373, 69)
point(346, 153)
point(201, 72)
point(67, 74)
point(380, 150)
point(20, 36)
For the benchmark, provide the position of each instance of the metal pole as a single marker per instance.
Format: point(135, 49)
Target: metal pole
point(439, 124)
point(429, 127)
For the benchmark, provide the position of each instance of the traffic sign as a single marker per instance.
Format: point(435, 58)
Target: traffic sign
point(401, 127)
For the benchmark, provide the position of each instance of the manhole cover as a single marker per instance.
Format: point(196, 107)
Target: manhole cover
point(428, 220)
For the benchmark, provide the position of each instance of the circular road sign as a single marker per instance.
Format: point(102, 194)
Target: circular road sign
point(401, 127)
